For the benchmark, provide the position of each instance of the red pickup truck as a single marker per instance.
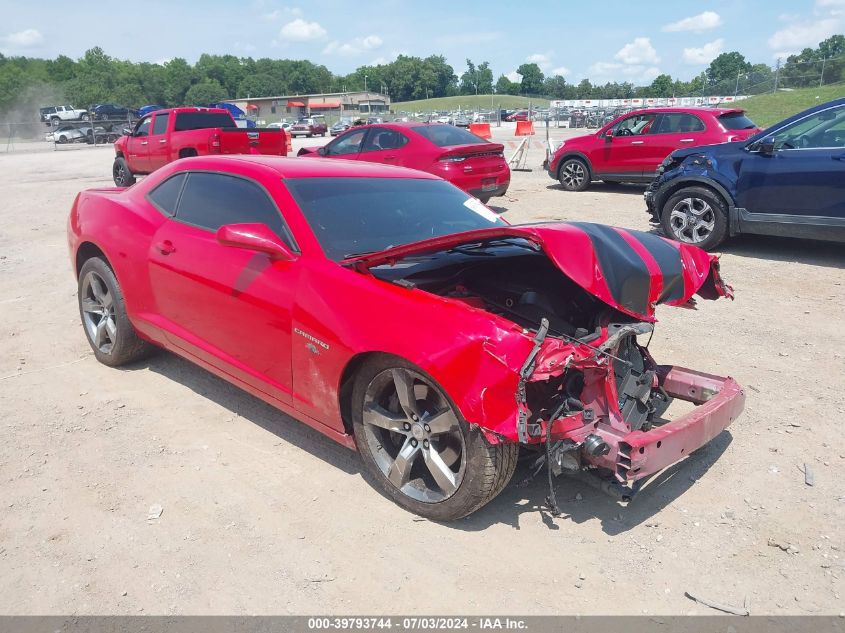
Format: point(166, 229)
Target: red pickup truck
point(167, 135)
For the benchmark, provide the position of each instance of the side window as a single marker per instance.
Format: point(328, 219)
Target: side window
point(382, 138)
point(636, 125)
point(210, 200)
point(349, 143)
point(166, 195)
point(820, 130)
point(160, 123)
point(679, 123)
point(143, 127)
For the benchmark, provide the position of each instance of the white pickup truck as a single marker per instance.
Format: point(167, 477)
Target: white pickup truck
point(54, 114)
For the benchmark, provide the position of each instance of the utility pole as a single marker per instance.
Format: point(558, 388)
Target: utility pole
point(821, 78)
point(736, 90)
point(777, 76)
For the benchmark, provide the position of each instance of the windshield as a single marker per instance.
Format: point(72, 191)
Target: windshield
point(446, 135)
point(353, 216)
point(736, 121)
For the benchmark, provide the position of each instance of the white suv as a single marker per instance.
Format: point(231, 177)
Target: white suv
point(54, 114)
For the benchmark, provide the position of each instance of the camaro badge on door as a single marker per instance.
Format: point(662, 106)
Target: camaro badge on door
point(313, 339)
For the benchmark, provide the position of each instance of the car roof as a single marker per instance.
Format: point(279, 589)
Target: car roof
point(688, 109)
point(289, 167)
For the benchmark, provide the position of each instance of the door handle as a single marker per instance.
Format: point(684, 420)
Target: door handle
point(637, 142)
point(143, 142)
point(391, 157)
point(687, 140)
point(166, 247)
point(163, 141)
point(839, 157)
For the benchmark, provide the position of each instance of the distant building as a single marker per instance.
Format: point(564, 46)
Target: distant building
point(295, 106)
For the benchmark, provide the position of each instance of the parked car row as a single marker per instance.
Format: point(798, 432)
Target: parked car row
point(713, 173)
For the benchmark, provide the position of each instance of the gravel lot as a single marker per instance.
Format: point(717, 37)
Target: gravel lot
point(263, 515)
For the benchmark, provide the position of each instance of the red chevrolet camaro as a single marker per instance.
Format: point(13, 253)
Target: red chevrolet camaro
point(475, 165)
point(400, 316)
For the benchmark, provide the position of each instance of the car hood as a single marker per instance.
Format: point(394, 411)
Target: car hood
point(716, 151)
point(631, 271)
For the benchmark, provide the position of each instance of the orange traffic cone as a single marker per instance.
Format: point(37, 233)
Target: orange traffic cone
point(524, 128)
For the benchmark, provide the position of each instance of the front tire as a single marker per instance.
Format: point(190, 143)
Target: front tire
point(120, 173)
point(574, 175)
point(103, 312)
point(697, 216)
point(416, 447)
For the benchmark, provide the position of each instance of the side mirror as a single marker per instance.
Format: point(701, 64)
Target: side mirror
point(766, 146)
point(608, 136)
point(127, 132)
point(322, 151)
point(254, 237)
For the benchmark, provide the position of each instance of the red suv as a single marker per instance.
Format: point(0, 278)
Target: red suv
point(475, 165)
point(630, 148)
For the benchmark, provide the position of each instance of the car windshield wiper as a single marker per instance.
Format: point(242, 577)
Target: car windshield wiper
point(362, 253)
point(519, 242)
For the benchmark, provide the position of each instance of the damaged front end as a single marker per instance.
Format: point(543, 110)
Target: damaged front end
point(604, 407)
point(579, 295)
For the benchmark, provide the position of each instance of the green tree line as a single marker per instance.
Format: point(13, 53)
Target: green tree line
point(99, 78)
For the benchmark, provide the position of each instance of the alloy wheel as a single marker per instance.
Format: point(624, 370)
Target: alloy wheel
point(572, 174)
point(692, 220)
point(98, 312)
point(414, 435)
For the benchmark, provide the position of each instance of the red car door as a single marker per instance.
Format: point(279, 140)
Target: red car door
point(226, 306)
point(624, 153)
point(383, 145)
point(673, 130)
point(138, 147)
point(159, 153)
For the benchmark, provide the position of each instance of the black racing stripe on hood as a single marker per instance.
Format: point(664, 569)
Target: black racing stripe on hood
point(625, 272)
point(669, 260)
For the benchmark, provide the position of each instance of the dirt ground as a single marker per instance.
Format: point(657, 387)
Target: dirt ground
point(261, 515)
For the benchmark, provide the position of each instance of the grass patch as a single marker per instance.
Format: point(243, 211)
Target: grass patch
point(468, 102)
point(768, 109)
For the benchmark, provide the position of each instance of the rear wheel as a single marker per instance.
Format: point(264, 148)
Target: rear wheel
point(120, 173)
point(417, 448)
point(695, 215)
point(574, 175)
point(103, 313)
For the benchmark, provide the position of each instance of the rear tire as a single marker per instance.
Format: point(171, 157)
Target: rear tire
point(120, 173)
point(418, 458)
point(697, 216)
point(103, 312)
point(574, 175)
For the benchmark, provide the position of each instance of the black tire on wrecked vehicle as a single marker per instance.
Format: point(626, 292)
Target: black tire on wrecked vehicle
point(416, 447)
point(697, 216)
point(120, 173)
point(102, 310)
point(574, 174)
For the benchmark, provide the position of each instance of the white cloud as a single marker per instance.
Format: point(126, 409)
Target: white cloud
point(602, 72)
point(698, 23)
point(353, 47)
point(705, 54)
point(23, 39)
point(371, 41)
point(300, 30)
point(541, 59)
point(828, 18)
point(563, 71)
point(275, 14)
point(514, 76)
point(638, 52)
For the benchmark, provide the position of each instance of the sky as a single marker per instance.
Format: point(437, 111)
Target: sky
point(612, 40)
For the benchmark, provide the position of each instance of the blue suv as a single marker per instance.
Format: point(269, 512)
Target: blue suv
point(788, 180)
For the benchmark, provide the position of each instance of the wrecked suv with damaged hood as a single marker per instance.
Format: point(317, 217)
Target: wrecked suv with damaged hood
point(397, 315)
